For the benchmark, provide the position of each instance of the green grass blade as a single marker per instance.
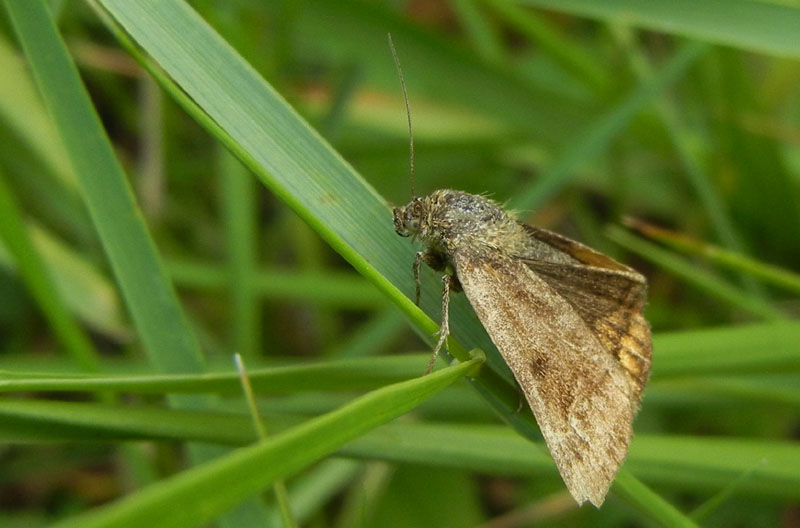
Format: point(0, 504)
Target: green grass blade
point(239, 215)
point(22, 112)
point(482, 33)
point(753, 25)
point(198, 495)
point(691, 274)
point(344, 289)
point(88, 294)
point(279, 486)
point(635, 492)
point(752, 349)
point(732, 260)
point(564, 50)
point(148, 294)
point(712, 504)
point(376, 334)
point(680, 136)
point(745, 349)
point(757, 392)
point(675, 461)
point(41, 421)
point(312, 490)
point(35, 274)
point(345, 374)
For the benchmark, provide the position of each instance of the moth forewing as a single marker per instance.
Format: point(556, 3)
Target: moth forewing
point(608, 296)
point(579, 393)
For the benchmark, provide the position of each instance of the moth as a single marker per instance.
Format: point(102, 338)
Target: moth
point(567, 320)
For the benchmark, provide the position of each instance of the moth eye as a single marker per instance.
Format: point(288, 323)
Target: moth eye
point(413, 224)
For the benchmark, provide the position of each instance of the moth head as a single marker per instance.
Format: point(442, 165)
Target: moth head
point(408, 219)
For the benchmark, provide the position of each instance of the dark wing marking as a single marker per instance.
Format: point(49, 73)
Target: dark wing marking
point(607, 295)
point(582, 398)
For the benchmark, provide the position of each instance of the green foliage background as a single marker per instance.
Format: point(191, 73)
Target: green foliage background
point(138, 252)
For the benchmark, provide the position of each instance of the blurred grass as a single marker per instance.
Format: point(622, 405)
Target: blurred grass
point(14, 234)
point(503, 96)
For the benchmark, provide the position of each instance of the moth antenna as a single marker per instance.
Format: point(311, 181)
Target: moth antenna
point(408, 113)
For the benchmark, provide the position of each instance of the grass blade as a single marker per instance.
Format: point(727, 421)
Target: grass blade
point(753, 25)
point(347, 374)
point(678, 462)
point(200, 494)
point(732, 260)
point(148, 294)
point(699, 278)
point(14, 234)
point(745, 349)
point(260, 128)
point(239, 212)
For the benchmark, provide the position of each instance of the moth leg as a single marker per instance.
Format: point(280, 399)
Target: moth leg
point(521, 402)
point(434, 261)
point(417, 271)
point(444, 327)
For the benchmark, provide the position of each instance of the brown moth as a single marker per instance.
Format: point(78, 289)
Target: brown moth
point(567, 320)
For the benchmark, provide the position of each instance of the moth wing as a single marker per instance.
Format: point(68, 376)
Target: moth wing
point(576, 250)
point(607, 295)
point(579, 393)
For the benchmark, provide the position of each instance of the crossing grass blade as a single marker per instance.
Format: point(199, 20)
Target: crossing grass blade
point(200, 494)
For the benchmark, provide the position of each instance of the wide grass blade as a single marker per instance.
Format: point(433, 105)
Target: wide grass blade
point(293, 161)
point(753, 349)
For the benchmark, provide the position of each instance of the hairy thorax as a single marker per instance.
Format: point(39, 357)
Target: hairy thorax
point(455, 219)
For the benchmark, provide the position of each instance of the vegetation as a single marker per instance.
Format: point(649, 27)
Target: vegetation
point(138, 254)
